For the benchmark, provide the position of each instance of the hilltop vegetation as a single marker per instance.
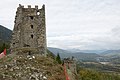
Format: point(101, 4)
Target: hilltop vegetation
point(88, 74)
point(97, 71)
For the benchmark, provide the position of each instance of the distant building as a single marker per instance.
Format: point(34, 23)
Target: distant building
point(29, 33)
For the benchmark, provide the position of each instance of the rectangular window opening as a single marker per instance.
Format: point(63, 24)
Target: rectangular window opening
point(31, 26)
point(32, 36)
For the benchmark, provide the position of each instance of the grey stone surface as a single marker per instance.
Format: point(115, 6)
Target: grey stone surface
point(29, 33)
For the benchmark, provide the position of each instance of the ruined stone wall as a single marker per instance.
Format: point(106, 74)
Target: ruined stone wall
point(71, 65)
point(29, 33)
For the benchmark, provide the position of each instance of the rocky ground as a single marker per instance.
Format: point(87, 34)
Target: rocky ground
point(30, 67)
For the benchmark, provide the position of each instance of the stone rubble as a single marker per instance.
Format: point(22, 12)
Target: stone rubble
point(29, 68)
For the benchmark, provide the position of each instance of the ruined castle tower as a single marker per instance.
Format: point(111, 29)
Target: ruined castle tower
point(29, 33)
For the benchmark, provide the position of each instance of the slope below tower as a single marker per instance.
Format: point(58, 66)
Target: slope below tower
point(29, 33)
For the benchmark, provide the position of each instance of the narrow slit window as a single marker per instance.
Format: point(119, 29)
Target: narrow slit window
point(31, 26)
point(32, 36)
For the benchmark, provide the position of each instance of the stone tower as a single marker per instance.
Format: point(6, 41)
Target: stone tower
point(29, 33)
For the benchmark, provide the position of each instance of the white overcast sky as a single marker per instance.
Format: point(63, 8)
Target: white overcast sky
point(82, 24)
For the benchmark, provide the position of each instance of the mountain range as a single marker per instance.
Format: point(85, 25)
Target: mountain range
point(111, 53)
point(86, 51)
point(78, 55)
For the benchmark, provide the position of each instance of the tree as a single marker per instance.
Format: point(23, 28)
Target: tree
point(3, 46)
point(58, 59)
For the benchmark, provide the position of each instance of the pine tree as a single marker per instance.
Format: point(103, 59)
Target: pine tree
point(2, 47)
point(58, 59)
